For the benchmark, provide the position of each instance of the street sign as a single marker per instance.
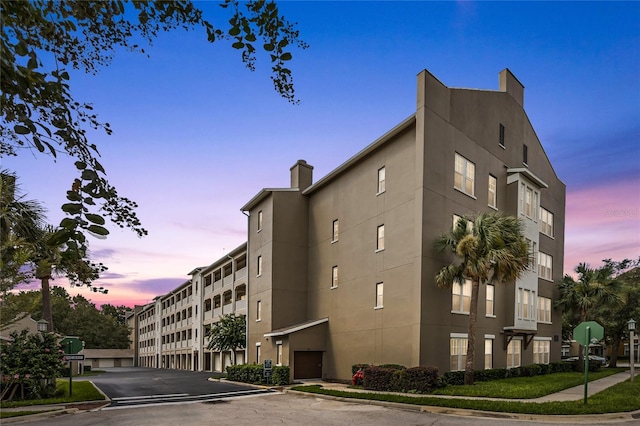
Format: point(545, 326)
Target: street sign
point(73, 357)
point(596, 333)
point(71, 344)
point(268, 367)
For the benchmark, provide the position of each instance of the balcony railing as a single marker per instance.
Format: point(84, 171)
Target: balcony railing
point(241, 305)
point(241, 273)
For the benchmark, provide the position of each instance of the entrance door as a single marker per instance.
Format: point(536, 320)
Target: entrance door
point(307, 365)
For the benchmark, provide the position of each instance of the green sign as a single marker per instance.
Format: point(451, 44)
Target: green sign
point(71, 345)
point(596, 333)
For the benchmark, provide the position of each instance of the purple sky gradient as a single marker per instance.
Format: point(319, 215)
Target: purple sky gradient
point(196, 135)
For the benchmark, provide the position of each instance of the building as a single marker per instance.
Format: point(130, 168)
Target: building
point(341, 270)
point(171, 331)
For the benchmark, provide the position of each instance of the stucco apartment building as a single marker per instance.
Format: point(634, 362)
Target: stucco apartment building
point(341, 270)
point(171, 330)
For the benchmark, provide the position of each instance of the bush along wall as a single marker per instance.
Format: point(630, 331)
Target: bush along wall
point(254, 373)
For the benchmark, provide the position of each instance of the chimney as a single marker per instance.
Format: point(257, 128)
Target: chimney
point(301, 175)
point(510, 84)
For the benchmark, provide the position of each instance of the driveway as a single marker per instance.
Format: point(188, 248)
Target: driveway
point(138, 386)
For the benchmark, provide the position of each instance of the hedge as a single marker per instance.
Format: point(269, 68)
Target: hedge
point(253, 373)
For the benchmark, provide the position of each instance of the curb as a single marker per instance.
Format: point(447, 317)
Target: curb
point(463, 412)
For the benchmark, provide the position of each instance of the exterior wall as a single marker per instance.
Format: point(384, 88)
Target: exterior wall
point(418, 205)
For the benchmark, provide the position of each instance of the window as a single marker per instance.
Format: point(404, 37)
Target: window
point(379, 295)
point(260, 221)
point(381, 180)
point(545, 266)
point(464, 176)
point(528, 201)
point(525, 154)
point(544, 309)
point(335, 231)
point(258, 310)
point(501, 137)
point(541, 350)
point(259, 266)
point(545, 224)
point(533, 251)
point(334, 277)
point(490, 302)
point(258, 354)
point(513, 353)
point(458, 350)
point(380, 239)
point(493, 184)
point(526, 304)
point(457, 219)
point(279, 353)
point(488, 353)
point(461, 297)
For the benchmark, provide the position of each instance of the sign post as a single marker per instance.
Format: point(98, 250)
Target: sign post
point(586, 333)
point(268, 369)
point(73, 346)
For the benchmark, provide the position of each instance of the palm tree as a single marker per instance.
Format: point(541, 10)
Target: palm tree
point(492, 250)
point(594, 288)
point(20, 224)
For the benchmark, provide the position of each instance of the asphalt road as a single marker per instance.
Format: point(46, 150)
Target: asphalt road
point(282, 409)
point(137, 386)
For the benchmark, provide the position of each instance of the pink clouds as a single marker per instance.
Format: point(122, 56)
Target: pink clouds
point(602, 222)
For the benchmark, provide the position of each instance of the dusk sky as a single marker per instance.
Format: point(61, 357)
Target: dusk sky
point(197, 135)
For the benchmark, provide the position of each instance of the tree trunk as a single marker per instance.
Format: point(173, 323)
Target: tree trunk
point(471, 337)
point(613, 361)
point(46, 303)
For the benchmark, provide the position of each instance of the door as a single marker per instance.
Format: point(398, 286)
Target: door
point(307, 365)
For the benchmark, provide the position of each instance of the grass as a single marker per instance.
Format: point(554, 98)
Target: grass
point(525, 387)
point(622, 397)
point(82, 391)
point(8, 414)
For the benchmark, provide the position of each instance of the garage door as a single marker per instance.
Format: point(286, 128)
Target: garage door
point(307, 365)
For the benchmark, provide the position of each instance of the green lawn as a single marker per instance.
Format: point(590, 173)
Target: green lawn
point(622, 397)
point(82, 391)
point(526, 387)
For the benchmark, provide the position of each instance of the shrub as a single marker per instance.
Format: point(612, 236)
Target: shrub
point(491, 374)
point(254, 373)
point(281, 374)
point(560, 367)
point(454, 378)
point(393, 366)
point(421, 379)
point(530, 370)
point(379, 379)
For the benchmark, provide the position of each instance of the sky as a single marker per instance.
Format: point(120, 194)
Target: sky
point(197, 135)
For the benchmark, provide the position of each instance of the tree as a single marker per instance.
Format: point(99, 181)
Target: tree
point(27, 362)
point(20, 224)
point(228, 334)
point(42, 40)
point(579, 299)
point(614, 316)
point(72, 316)
point(119, 313)
point(492, 250)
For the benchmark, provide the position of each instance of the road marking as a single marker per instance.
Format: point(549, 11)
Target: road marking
point(128, 398)
point(189, 399)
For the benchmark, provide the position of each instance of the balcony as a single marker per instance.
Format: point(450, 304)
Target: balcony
point(241, 305)
point(217, 312)
point(207, 315)
point(228, 280)
point(241, 273)
point(227, 309)
point(217, 285)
